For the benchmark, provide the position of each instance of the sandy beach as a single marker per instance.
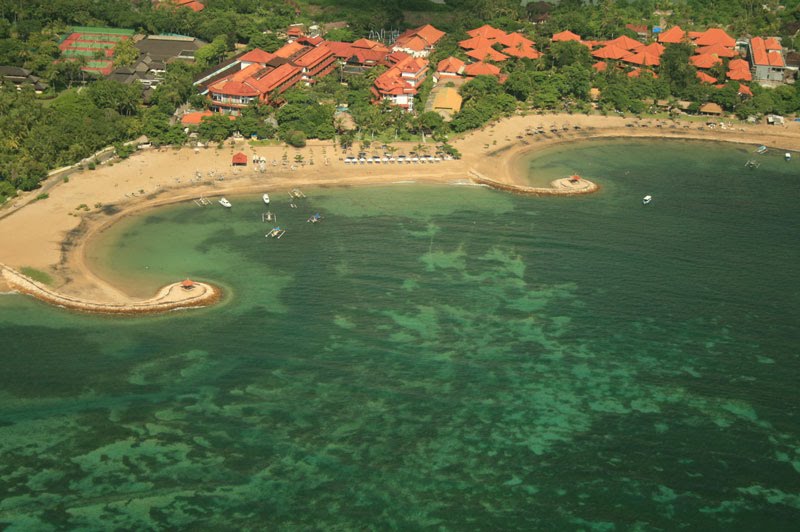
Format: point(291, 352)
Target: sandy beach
point(50, 235)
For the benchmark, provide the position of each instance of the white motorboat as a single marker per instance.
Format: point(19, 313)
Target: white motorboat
point(265, 197)
point(788, 156)
point(225, 203)
point(647, 199)
point(761, 150)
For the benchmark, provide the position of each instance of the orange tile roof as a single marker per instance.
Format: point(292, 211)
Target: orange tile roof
point(643, 58)
point(566, 36)
point(705, 60)
point(475, 43)
point(481, 69)
point(257, 55)
point(772, 44)
point(600, 66)
point(238, 84)
point(415, 42)
point(277, 77)
point(369, 45)
point(610, 52)
point(705, 78)
point(625, 42)
point(290, 50)
point(775, 59)
point(715, 36)
point(521, 51)
point(412, 39)
point(515, 39)
point(397, 57)
point(745, 90)
point(313, 57)
point(452, 65)
point(716, 49)
point(192, 119)
point(488, 52)
point(673, 35)
point(736, 64)
point(488, 32)
point(653, 48)
point(740, 74)
point(430, 33)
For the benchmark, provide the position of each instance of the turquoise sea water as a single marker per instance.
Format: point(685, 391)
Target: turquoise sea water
point(432, 357)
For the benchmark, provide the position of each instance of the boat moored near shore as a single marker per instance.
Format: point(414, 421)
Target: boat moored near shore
point(225, 203)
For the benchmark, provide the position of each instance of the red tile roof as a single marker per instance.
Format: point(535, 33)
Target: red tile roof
point(313, 57)
point(488, 52)
point(451, 65)
point(370, 45)
point(287, 51)
point(638, 28)
point(192, 119)
point(600, 66)
point(488, 32)
point(257, 56)
point(762, 57)
point(566, 36)
point(716, 49)
point(705, 60)
point(705, 78)
point(277, 77)
point(673, 35)
point(744, 90)
point(419, 39)
point(515, 39)
point(481, 69)
point(643, 58)
point(736, 64)
point(653, 48)
point(430, 34)
point(476, 43)
point(521, 51)
point(625, 42)
point(610, 52)
point(715, 36)
point(740, 74)
point(775, 59)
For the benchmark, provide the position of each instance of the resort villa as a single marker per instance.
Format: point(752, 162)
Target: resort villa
point(259, 76)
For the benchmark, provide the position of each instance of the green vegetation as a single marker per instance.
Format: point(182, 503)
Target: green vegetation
point(36, 275)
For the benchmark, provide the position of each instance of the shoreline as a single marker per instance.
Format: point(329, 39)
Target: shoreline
point(52, 235)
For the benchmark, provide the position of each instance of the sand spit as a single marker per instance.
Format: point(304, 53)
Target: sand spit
point(171, 297)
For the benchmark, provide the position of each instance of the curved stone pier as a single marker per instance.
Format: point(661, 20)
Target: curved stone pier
point(559, 187)
point(171, 297)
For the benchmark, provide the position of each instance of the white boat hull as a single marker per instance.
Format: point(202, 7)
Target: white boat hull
point(265, 197)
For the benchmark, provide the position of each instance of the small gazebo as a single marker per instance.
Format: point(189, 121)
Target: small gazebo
point(187, 284)
point(239, 159)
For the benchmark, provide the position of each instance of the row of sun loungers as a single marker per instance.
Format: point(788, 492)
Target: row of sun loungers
point(390, 160)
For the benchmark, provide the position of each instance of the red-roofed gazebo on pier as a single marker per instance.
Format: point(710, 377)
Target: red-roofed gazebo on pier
point(240, 159)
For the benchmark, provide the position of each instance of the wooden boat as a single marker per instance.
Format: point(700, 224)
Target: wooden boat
point(276, 232)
